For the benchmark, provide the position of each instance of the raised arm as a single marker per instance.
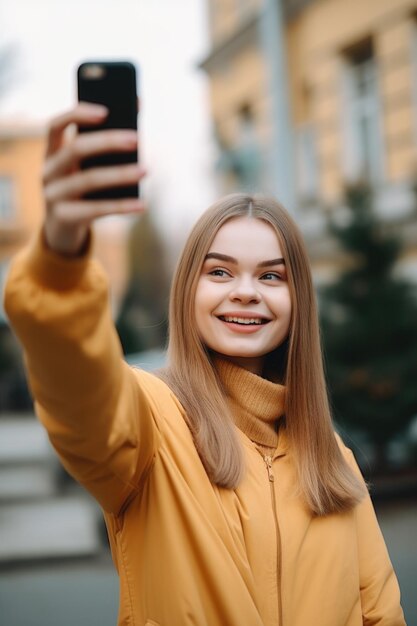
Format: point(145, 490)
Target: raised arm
point(97, 414)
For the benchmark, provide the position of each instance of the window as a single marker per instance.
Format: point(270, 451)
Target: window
point(3, 273)
point(7, 200)
point(362, 128)
point(414, 66)
point(242, 159)
point(247, 151)
point(306, 162)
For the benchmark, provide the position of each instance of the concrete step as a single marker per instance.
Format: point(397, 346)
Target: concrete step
point(27, 481)
point(59, 527)
point(23, 440)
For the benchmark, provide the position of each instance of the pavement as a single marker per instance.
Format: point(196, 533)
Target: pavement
point(68, 593)
point(38, 520)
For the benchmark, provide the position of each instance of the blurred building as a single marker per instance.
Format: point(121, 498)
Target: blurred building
point(344, 72)
point(21, 205)
point(21, 151)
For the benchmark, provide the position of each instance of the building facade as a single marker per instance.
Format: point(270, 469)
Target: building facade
point(350, 79)
point(22, 150)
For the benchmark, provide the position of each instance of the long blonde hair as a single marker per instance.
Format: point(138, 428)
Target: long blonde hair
point(325, 479)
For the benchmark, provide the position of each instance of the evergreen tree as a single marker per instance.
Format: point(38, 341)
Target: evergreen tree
point(142, 320)
point(369, 322)
point(14, 392)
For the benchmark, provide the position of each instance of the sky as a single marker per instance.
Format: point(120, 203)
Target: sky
point(166, 39)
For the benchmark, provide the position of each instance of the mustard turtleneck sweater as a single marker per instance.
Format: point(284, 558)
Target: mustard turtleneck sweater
point(256, 404)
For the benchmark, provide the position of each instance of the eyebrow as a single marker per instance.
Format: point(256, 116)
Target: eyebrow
point(230, 259)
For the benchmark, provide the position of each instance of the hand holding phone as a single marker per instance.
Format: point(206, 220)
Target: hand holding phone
point(95, 172)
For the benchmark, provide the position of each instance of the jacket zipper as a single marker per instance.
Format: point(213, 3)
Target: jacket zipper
point(271, 478)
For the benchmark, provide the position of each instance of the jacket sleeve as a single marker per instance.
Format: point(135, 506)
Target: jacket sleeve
point(380, 594)
point(98, 416)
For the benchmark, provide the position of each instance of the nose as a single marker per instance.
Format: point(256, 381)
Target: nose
point(244, 291)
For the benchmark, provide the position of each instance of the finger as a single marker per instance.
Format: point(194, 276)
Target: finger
point(83, 114)
point(87, 145)
point(85, 211)
point(82, 182)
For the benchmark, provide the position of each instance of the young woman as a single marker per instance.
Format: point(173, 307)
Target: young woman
point(229, 500)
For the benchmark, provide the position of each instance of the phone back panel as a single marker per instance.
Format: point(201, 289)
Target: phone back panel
point(112, 84)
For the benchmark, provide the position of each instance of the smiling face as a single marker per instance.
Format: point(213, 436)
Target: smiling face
point(242, 302)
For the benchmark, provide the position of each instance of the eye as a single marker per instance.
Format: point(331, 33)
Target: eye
point(219, 273)
point(272, 276)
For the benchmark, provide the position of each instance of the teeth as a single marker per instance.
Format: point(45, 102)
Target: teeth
point(243, 320)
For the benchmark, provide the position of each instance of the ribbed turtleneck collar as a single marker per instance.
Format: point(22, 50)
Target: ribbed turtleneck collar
point(256, 403)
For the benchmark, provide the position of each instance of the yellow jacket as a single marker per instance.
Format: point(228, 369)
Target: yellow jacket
point(188, 553)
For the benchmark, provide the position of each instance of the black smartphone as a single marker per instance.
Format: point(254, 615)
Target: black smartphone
point(113, 84)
